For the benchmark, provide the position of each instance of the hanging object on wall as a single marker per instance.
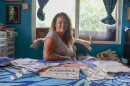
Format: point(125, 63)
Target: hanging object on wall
point(13, 14)
point(128, 13)
point(25, 6)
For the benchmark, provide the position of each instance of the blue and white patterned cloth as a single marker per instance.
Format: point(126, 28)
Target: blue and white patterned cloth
point(33, 79)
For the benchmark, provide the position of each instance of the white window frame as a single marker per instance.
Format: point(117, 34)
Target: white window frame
point(118, 25)
point(33, 20)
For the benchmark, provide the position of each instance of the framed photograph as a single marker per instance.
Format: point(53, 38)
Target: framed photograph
point(13, 14)
point(128, 13)
point(14, 0)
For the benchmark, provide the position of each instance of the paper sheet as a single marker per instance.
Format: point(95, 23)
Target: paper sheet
point(30, 64)
point(94, 73)
point(62, 72)
point(111, 66)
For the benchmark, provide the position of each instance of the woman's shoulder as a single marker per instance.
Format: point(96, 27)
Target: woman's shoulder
point(52, 34)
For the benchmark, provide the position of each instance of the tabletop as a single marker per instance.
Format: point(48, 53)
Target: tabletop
point(33, 79)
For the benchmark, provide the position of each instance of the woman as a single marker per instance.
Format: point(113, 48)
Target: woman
point(58, 44)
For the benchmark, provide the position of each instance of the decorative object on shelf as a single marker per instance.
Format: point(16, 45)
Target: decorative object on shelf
point(2, 26)
point(128, 13)
point(14, 0)
point(13, 14)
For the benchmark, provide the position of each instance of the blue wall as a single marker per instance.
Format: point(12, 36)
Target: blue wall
point(24, 38)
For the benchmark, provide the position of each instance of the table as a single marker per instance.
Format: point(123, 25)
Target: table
point(33, 79)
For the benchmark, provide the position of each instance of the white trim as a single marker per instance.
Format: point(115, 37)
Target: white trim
point(77, 2)
point(33, 20)
point(120, 23)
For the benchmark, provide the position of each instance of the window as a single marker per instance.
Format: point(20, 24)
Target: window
point(52, 8)
point(86, 18)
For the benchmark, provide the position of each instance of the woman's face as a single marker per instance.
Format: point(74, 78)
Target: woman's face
point(61, 24)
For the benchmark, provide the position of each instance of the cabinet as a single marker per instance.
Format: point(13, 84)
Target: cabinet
point(127, 46)
point(7, 43)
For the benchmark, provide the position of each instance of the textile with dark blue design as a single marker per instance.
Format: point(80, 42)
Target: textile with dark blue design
point(33, 79)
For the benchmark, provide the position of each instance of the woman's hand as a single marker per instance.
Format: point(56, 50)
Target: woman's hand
point(67, 58)
point(74, 58)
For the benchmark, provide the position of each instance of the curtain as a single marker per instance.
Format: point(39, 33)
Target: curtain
point(109, 5)
point(40, 13)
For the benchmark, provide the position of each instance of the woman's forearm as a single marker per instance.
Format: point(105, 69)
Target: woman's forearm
point(56, 57)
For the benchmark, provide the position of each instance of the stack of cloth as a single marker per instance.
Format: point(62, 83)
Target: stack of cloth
point(108, 55)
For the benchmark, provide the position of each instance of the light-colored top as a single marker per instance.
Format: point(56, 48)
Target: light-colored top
point(61, 47)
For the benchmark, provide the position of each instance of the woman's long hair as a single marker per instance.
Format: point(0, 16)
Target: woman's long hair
point(68, 35)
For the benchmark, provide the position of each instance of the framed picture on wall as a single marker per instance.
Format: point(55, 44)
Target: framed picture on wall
point(128, 13)
point(13, 14)
point(14, 0)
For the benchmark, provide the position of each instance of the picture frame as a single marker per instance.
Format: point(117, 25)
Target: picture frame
point(128, 13)
point(14, 0)
point(13, 14)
